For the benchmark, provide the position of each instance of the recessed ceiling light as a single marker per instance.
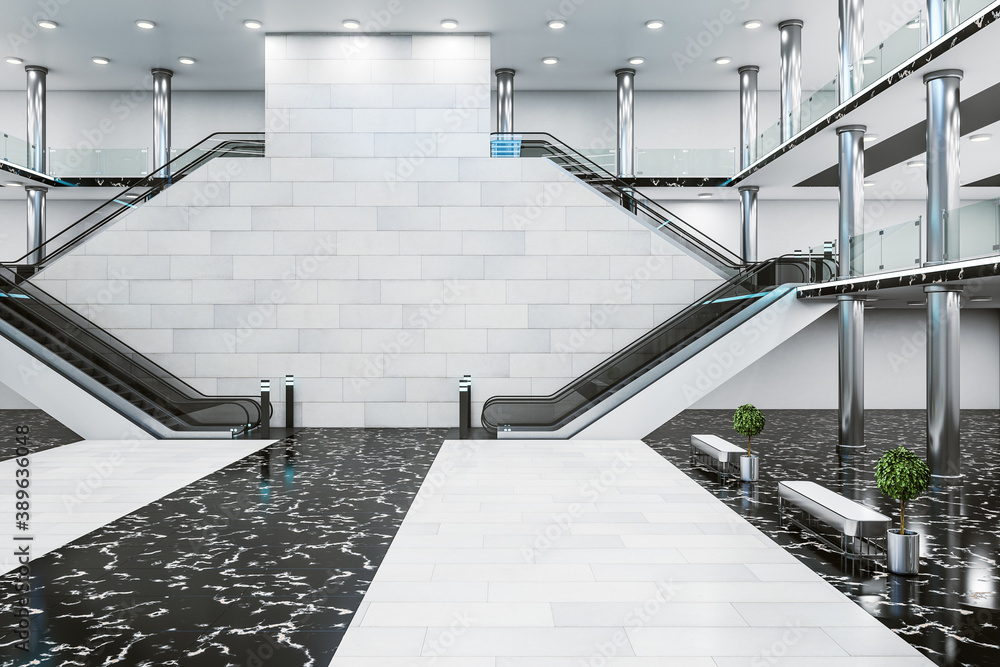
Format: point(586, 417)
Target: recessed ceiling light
point(14, 184)
point(145, 24)
point(869, 184)
point(100, 60)
point(914, 24)
point(351, 24)
point(186, 60)
point(557, 24)
point(47, 24)
point(550, 60)
point(253, 24)
point(916, 303)
point(704, 195)
point(655, 24)
point(980, 137)
point(723, 60)
point(867, 61)
point(980, 299)
point(636, 60)
point(449, 24)
point(916, 163)
point(871, 138)
point(15, 61)
point(753, 24)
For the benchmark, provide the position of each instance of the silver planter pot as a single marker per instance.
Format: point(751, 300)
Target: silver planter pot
point(749, 468)
point(904, 552)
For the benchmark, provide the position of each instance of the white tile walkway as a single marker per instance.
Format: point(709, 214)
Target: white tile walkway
point(595, 554)
point(77, 488)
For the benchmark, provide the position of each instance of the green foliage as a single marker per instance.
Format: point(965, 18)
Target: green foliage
point(748, 421)
point(902, 475)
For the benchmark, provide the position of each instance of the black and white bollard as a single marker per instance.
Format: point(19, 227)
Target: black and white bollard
point(265, 409)
point(289, 401)
point(465, 407)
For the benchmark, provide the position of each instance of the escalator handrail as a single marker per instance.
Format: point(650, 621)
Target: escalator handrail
point(659, 330)
point(154, 182)
point(132, 356)
point(114, 372)
point(665, 216)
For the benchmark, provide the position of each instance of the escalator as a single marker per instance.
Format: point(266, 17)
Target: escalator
point(672, 347)
point(219, 145)
point(82, 375)
point(106, 369)
point(541, 144)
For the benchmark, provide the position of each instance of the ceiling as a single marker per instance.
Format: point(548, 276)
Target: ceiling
point(600, 37)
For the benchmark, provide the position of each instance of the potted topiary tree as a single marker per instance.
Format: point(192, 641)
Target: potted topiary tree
point(903, 476)
point(748, 421)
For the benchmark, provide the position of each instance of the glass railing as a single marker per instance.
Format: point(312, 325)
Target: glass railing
point(98, 162)
point(683, 162)
point(973, 231)
point(14, 150)
point(966, 9)
point(890, 249)
point(602, 157)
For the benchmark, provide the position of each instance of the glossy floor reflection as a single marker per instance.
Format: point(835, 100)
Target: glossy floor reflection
point(951, 611)
point(263, 562)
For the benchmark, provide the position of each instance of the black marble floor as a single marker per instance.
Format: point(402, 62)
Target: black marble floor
point(263, 562)
point(44, 431)
point(951, 611)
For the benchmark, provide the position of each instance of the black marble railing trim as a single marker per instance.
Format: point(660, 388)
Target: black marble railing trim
point(924, 276)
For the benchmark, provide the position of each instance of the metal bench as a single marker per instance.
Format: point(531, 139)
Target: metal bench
point(720, 455)
point(861, 529)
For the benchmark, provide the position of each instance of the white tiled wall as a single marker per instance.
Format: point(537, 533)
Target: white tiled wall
point(377, 252)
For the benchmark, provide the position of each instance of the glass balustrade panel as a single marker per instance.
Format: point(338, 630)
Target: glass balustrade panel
point(901, 246)
point(974, 230)
point(683, 162)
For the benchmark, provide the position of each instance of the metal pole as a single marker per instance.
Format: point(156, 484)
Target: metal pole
point(626, 122)
point(943, 170)
point(36, 223)
point(852, 370)
point(505, 100)
point(37, 146)
point(265, 409)
point(944, 447)
point(748, 228)
point(942, 16)
point(161, 120)
point(748, 114)
point(791, 77)
point(852, 45)
point(852, 196)
point(289, 401)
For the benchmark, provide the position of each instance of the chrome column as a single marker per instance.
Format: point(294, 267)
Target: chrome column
point(943, 134)
point(791, 77)
point(852, 195)
point(161, 120)
point(852, 370)
point(748, 114)
point(505, 100)
point(852, 48)
point(943, 386)
point(748, 229)
point(626, 122)
point(942, 16)
point(36, 223)
point(37, 148)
